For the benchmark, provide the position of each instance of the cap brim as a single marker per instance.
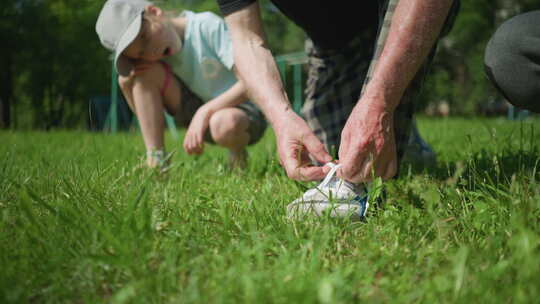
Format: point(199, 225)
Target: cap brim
point(122, 63)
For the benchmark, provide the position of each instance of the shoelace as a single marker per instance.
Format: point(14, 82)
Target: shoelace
point(330, 181)
point(330, 175)
point(362, 201)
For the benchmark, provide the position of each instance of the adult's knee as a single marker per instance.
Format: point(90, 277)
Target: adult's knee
point(512, 60)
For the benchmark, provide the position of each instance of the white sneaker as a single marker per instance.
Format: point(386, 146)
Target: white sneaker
point(333, 195)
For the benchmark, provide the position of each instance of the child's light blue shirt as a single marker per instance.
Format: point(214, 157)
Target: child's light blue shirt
point(206, 59)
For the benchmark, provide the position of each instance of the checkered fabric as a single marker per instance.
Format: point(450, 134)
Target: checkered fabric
point(333, 88)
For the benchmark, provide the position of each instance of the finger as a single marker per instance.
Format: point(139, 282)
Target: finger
point(367, 173)
point(197, 143)
point(311, 173)
point(316, 149)
point(188, 149)
point(326, 169)
point(143, 67)
point(391, 170)
point(201, 146)
point(194, 148)
point(296, 170)
point(343, 147)
point(137, 72)
point(185, 144)
point(352, 170)
point(291, 163)
point(190, 146)
point(132, 74)
point(193, 144)
point(197, 150)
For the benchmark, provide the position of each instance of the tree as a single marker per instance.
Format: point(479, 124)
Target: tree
point(51, 59)
point(458, 74)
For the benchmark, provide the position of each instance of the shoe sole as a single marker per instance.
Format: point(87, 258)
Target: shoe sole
point(355, 209)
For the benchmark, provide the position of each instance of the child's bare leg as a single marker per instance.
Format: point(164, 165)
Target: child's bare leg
point(143, 94)
point(229, 129)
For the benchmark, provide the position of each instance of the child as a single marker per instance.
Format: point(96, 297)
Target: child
point(183, 65)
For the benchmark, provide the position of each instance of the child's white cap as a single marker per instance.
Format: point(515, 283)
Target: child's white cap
point(118, 24)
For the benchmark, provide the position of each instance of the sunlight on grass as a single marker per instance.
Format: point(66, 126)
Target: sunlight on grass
point(83, 222)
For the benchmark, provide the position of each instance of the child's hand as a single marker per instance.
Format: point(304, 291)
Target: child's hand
point(139, 67)
point(194, 139)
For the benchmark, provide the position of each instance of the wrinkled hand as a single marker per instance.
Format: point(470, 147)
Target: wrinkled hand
point(368, 148)
point(194, 139)
point(296, 142)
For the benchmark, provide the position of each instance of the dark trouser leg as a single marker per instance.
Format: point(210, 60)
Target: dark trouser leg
point(512, 60)
point(334, 86)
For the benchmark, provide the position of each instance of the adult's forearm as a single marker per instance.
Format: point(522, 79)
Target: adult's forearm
point(415, 27)
point(255, 64)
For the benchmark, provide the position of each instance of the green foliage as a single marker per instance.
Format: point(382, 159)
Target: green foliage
point(53, 54)
point(52, 62)
point(56, 59)
point(457, 75)
point(80, 222)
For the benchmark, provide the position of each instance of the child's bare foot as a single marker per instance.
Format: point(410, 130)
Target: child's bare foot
point(238, 159)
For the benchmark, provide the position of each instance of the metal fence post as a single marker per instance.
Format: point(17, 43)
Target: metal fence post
point(113, 112)
point(297, 80)
point(295, 60)
point(282, 65)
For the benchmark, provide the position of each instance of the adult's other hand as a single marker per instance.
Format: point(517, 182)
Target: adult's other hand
point(368, 148)
point(296, 142)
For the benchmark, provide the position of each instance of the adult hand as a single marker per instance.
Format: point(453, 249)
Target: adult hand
point(194, 139)
point(295, 143)
point(368, 148)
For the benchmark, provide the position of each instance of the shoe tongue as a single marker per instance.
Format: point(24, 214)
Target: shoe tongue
point(339, 185)
point(340, 188)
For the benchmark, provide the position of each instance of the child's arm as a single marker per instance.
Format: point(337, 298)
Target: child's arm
point(194, 139)
point(234, 96)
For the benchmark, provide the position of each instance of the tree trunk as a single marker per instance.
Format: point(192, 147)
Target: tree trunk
point(6, 91)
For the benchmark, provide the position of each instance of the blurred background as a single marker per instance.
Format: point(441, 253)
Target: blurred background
point(56, 75)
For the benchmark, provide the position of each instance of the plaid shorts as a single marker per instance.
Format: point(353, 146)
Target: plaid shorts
point(334, 78)
point(190, 103)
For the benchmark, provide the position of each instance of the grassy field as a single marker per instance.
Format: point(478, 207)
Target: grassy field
point(80, 223)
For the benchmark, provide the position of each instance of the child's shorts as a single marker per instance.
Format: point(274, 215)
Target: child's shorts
point(190, 103)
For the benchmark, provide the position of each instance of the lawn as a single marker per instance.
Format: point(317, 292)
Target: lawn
point(82, 222)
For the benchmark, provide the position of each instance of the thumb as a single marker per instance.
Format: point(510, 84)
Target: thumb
point(316, 149)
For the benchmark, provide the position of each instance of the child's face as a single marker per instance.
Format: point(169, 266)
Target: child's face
point(157, 39)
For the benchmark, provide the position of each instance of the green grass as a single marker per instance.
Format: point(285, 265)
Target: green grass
point(81, 224)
